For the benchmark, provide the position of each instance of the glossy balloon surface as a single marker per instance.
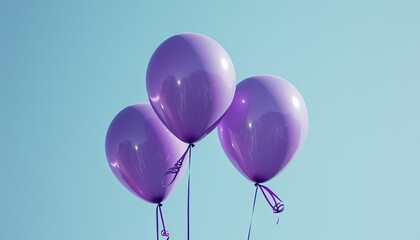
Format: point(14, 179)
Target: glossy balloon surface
point(191, 83)
point(140, 150)
point(264, 127)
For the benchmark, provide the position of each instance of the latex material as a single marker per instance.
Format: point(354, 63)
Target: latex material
point(140, 150)
point(190, 81)
point(264, 127)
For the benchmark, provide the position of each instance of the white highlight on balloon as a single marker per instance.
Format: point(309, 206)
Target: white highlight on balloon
point(155, 99)
point(115, 164)
point(243, 101)
point(179, 82)
point(295, 102)
point(224, 63)
point(250, 125)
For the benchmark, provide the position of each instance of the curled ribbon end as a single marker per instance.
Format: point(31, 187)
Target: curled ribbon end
point(278, 208)
point(275, 203)
point(168, 178)
point(165, 233)
point(170, 175)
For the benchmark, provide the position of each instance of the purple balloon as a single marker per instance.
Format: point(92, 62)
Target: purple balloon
point(140, 150)
point(264, 127)
point(191, 83)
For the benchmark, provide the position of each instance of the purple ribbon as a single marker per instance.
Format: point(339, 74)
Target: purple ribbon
point(275, 203)
point(174, 171)
point(189, 188)
point(163, 233)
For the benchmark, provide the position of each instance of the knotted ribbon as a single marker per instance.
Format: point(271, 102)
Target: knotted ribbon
point(275, 203)
point(174, 171)
point(163, 233)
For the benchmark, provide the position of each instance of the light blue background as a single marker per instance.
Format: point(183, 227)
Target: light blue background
point(67, 67)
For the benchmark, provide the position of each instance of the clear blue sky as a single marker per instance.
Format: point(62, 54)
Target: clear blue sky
point(67, 67)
